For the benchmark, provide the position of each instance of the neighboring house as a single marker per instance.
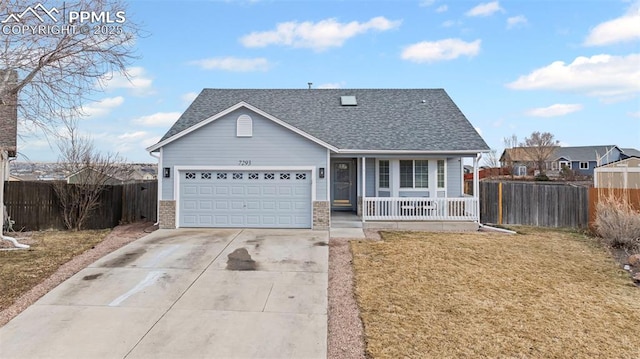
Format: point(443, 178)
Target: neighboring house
point(518, 160)
point(629, 152)
point(287, 158)
point(141, 175)
point(89, 175)
point(624, 173)
point(581, 159)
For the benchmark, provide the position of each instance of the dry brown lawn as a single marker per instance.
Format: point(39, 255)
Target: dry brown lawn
point(20, 270)
point(541, 294)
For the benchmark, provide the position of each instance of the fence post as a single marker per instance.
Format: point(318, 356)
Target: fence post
point(499, 202)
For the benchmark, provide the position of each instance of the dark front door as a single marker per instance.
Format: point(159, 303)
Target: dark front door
point(343, 185)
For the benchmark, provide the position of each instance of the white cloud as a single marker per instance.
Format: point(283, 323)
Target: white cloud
point(603, 76)
point(485, 9)
point(634, 114)
point(102, 107)
point(137, 81)
point(189, 97)
point(554, 110)
point(623, 29)
point(129, 142)
point(158, 119)
point(427, 3)
point(516, 21)
point(133, 136)
point(317, 36)
point(447, 49)
point(450, 23)
point(442, 8)
point(331, 85)
point(233, 64)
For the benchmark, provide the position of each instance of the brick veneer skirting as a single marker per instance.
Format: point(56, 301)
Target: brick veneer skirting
point(321, 215)
point(167, 215)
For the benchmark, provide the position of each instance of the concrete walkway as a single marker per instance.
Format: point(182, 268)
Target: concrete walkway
point(188, 293)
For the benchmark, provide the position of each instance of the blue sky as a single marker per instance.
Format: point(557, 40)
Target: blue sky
point(571, 68)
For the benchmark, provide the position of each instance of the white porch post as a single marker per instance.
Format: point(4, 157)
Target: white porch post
point(364, 187)
point(476, 184)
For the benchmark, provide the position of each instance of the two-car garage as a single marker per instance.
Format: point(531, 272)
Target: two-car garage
point(245, 198)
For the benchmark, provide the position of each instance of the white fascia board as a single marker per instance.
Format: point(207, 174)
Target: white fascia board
point(231, 109)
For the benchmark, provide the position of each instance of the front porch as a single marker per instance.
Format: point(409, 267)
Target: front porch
point(398, 192)
point(349, 221)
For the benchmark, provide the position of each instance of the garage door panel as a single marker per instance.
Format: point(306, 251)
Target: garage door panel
point(245, 199)
point(205, 205)
point(206, 190)
point(190, 190)
point(190, 204)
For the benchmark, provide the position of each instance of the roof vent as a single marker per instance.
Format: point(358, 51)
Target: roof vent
point(348, 101)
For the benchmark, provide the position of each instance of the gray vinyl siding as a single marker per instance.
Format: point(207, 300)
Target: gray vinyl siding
point(216, 144)
point(371, 177)
point(384, 194)
point(454, 177)
point(413, 193)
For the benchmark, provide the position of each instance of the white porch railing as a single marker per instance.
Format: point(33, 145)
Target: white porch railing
point(420, 209)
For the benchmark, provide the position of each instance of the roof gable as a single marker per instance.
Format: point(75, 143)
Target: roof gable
point(165, 140)
point(383, 119)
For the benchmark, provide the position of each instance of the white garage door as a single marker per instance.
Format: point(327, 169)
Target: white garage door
point(267, 199)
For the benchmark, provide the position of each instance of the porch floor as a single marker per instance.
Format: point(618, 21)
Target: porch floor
point(345, 219)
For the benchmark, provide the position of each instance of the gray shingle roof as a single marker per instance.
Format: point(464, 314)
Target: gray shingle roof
point(582, 153)
point(631, 152)
point(384, 119)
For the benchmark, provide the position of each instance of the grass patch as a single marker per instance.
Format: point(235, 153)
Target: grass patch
point(21, 270)
point(544, 294)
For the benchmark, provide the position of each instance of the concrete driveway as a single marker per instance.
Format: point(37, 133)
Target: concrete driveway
point(187, 293)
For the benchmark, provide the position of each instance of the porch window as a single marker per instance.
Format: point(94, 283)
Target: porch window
point(383, 173)
point(414, 173)
point(440, 173)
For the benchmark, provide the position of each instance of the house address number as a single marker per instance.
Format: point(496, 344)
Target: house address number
point(244, 162)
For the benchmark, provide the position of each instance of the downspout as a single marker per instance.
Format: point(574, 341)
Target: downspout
point(4, 161)
point(158, 174)
point(476, 183)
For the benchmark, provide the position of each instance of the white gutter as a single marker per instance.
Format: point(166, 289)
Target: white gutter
point(159, 188)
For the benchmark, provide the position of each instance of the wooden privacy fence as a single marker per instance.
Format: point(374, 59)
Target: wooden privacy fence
point(631, 196)
point(34, 205)
point(534, 204)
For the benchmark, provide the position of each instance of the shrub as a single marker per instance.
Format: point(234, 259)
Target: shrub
point(541, 177)
point(618, 223)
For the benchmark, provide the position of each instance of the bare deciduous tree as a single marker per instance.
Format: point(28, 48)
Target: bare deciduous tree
point(60, 61)
point(92, 172)
point(58, 71)
point(540, 146)
point(492, 161)
point(510, 143)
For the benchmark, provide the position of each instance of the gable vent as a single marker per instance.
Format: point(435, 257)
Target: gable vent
point(244, 126)
point(348, 101)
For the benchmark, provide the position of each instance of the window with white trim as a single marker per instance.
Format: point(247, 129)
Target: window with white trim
point(440, 173)
point(244, 126)
point(414, 173)
point(584, 165)
point(383, 173)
